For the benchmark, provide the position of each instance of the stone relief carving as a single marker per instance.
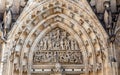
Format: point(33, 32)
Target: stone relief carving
point(58, 68)
point(16, 63)
point(99, 66)
point(117, 40)
point(58, 46)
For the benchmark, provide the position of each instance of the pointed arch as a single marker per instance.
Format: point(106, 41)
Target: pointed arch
point(77, 19)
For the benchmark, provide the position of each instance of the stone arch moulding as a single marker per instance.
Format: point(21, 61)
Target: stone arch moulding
point(72, 16)
point(47, 30)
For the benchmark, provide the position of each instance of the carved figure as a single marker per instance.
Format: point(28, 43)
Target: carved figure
point(41, 45)
point(57, 68)
point(7, 21)
point(45, 44)
point(76, 45)
point(49, 44)
point(108, 17)
point(62, 44)
point(62, 47)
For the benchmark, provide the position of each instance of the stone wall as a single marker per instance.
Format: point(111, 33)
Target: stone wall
point(60, 37)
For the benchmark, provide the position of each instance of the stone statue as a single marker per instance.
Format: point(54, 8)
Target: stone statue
point(16, 63)
point(107, 17)
point(62, 44)
point(7, 21)
point(99, 66)
point(41, 43)
point(76, 45)
point(1, 29)
point(49, 44)
point(72, 45)
point(67, 45)
point(58, 34)
point(45, 44)
point(90, 68)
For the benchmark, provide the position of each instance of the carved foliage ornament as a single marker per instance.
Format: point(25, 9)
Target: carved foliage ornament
point(58, 46)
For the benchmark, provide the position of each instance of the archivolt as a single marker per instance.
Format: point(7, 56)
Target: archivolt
point(88, 32)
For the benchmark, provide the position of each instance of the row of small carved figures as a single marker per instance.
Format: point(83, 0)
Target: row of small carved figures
point(71, 57)
point(44, 45)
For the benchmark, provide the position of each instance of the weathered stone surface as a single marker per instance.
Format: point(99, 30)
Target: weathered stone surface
point(59, 37)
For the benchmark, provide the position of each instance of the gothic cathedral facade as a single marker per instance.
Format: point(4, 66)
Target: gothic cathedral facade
point(59, 37)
